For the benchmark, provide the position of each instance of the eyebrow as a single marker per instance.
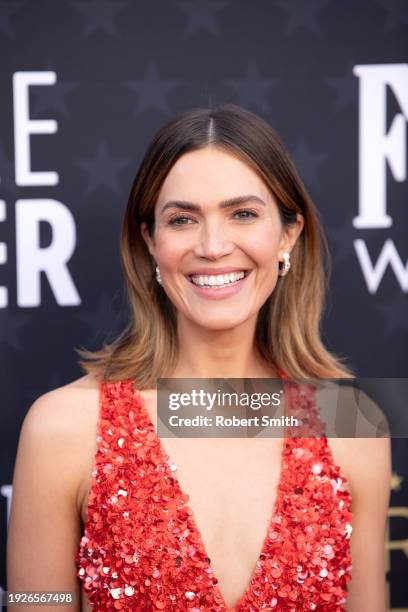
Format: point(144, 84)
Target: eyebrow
point(185, 205)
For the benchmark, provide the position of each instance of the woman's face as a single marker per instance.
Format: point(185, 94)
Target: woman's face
point(196, 233)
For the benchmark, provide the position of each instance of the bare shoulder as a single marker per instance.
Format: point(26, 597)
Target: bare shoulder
point(361, 459)
point(67, 410)
point(61, 400)
point(55, 448)
point(358, 435)
point(67, 417)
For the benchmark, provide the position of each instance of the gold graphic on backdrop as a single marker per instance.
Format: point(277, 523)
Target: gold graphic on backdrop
point(402, 545)
point(396, 481)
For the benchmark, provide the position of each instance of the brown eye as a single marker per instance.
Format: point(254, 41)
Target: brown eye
point(250, 212)
point(174, 220)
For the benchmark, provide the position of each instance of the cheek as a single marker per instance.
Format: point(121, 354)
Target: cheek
point(169, 250)
point(263, 248)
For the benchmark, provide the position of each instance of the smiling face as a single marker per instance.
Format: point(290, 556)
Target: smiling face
point(214, 214)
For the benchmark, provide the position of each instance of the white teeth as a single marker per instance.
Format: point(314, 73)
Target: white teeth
point(219, 280)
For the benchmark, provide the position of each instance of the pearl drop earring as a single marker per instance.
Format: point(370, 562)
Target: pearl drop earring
point(286, 265)
point(158, 275)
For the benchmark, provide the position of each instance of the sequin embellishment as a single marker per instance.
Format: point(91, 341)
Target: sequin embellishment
point(142, 550)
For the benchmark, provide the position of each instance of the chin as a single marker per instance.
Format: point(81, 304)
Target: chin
point(220, 323)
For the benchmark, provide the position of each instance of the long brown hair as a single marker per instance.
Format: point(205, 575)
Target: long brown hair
point(288, 331)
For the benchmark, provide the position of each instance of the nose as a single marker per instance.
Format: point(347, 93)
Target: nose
point(213, 242)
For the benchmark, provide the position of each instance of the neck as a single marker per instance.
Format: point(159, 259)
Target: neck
point(225, 353)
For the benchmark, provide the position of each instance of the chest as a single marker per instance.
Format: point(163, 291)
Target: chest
point(232, 485)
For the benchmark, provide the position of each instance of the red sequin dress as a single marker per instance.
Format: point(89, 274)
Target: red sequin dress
point(142, 550)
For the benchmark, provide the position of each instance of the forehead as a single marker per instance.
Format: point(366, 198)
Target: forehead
point(211, 175)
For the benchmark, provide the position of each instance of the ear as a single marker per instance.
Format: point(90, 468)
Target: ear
point(289, 236)
point(147, 238)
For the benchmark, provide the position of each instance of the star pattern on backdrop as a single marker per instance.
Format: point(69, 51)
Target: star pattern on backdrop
point(102, 170)
point(100, 15)
point(308, 162)
point(7, 11)
point(252, 89)
point(102, 321)
point(342, 238)
point(152, 91)
point(52, 99)
point(301, 14)
point(201, 15)
point(397, 13)
point(394, 313)
point(11, 324)
point(346, 87)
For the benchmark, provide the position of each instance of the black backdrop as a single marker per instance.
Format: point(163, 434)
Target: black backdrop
point(103, 75)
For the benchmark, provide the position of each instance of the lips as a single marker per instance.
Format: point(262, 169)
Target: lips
point(189, 276)
point(220, 293)
point(215, 271)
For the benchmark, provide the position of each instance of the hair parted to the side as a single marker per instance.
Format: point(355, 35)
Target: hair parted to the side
point(288, 331)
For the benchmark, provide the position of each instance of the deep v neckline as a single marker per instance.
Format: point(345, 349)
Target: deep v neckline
point(217, 589)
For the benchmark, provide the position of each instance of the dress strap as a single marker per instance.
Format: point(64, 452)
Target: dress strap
point(282, 374)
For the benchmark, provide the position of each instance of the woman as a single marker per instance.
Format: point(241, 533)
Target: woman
point(216, 200)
